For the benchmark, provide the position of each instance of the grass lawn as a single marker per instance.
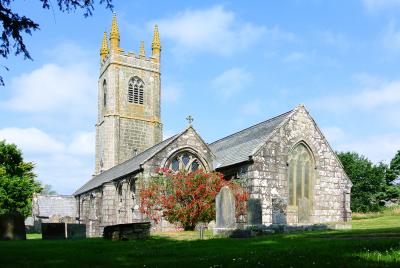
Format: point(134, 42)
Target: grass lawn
point(373, 242)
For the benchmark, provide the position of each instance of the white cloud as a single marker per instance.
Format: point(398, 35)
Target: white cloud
point(31, 140)
point(384, 95)
point(333, 133)
point(215, 30)
point(295, 57)
point(376, 148)
point(64, 165)
point(53, 88)
point(231, 81)
point(253, 107)
point(335, 39)
point(391, 37)
point(171, 93)
point(379, 5)
point(82, 144)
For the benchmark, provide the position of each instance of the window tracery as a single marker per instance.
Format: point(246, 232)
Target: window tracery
point(185, 161)
point(300, 174)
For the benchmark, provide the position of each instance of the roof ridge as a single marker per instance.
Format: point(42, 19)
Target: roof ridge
point(265, 121)
point(116, 166)
point(137, 155)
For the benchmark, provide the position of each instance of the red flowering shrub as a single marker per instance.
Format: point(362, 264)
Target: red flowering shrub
point(187, 198)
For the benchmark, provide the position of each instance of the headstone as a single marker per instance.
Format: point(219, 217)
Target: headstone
point(129, 231)
point(63, 231)
point(76, 231)
point(225, 212)
point(53, 231)
point(225, 208)
point(254, 211)
point(279, 210)
point(12, 227)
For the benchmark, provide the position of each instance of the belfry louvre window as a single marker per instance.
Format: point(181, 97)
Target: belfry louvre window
point(300, 175)
point(135, 90)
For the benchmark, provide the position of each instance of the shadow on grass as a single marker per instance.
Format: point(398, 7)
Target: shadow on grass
point(302, 249)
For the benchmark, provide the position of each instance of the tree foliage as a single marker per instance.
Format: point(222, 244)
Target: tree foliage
point(187, 198)
point(14, 25)
point(17, 181)
point(372, 183)
point(394, 169)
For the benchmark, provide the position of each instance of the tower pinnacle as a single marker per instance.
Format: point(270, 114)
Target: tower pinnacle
point(114, 34)
point(104, 47)
point(141, 50)
point(156, 44)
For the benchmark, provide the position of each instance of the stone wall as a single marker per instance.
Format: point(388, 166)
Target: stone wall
point(267, 177)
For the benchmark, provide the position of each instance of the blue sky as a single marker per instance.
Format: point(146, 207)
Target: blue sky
point(229, 64)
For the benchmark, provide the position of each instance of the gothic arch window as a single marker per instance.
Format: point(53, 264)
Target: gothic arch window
point(301, 170)
point(135, 90)
point(185, 161)
point(104, 93)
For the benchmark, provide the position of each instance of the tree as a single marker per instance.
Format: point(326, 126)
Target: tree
point(369, 181)
point(17, 181)
point(48, 190)
point(187, 198)
point(394, 169)
point(15, 25)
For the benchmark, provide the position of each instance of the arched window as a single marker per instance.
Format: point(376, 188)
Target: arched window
point(135, 90)
point(184, 161)
point(104, 93)
point(301, 167)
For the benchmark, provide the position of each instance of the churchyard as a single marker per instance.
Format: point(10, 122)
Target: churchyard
point(374, 241)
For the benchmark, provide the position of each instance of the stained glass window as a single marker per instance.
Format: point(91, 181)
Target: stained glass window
point(135, 90)
point(185, 161)
point(300, 174)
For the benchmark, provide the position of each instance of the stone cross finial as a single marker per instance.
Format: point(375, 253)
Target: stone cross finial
point(189, 119)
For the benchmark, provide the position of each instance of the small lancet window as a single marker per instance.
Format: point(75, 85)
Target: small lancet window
point(135, 90)
point(105, 93)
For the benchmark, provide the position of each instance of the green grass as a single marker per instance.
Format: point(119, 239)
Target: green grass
point(373, 242)
point(392, 211)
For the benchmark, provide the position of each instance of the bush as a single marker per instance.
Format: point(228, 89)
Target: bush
point(187, 198)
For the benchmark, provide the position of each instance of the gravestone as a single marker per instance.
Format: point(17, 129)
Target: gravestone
point(12, 227)
point(128, 231)
point(254, 211)
point(279, 210)
point(53, 231)
point(76, 231)
point(63, 231)
point(225, 211)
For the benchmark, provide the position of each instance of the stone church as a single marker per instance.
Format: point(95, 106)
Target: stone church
point(285, 163)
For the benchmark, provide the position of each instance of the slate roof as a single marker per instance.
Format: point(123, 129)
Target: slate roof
point(238, 147)
point(47, 205)
point(233, 149)
point(127, 167)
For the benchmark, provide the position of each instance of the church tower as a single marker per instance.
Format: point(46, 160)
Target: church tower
point(129, 119)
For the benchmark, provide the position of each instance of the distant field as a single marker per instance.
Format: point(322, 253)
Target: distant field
point(373, 242)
